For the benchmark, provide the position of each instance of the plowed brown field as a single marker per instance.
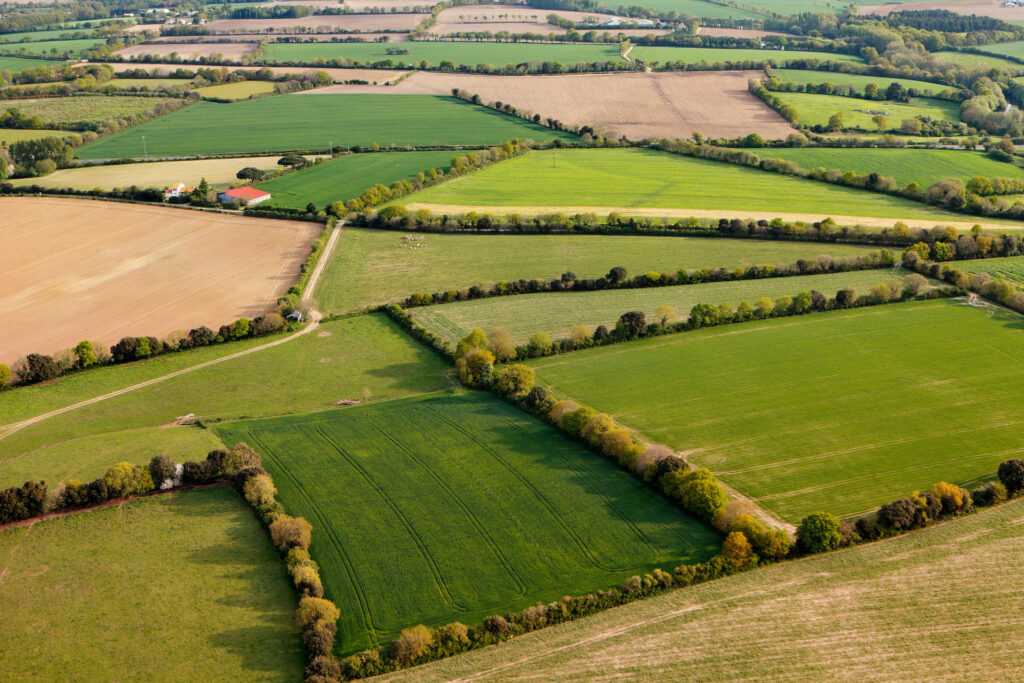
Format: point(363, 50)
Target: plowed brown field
point(82, 269)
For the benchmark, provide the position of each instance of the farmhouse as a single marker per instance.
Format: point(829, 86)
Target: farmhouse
point(177, 190)
point(246, 196)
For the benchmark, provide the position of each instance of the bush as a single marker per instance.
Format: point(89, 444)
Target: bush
point(238, 458)
point(324, 667)
point(39, 368)
point(737, 548)
point(496, 624)
point(452, 637)
point(1011, 474)
point(259, 491)
point(866, 529)
point(17, 503)
point(318, 638)
point(307, 581)
point(124, 479)
point(312, 610)
point(515, 380)
point(955, 500)
point(574, 421)
point(819, 532)
point(411, 644)
point(992, 493)
point(161, 469)
point(290, 532)
point(697, 491)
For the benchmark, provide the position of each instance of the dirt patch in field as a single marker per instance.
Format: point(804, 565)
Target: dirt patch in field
point(635, 105)
point(188, 50)
point(103, 270)
point(982, 8)
point(339, 75)
point(867, 221)
point(321, 22)
point(511, 18)
point(735, 32)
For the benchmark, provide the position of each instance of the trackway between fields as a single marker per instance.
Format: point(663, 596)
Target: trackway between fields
point(314, 315)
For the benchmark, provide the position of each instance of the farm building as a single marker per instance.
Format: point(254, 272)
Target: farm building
point(246, 196)
point(177, 190)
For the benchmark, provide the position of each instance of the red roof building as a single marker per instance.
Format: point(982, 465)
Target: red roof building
point(243, 195)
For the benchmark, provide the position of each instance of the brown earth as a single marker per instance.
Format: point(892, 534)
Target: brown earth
point(339, 75)
point(363, 5)
point(188, 50)
point(735, 32)
point(982, 8)
point(324, 22)
point(275, 38)
point(102, 270)
point(511, 18)
point(635, 105)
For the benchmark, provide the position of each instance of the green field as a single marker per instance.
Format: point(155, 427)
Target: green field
point(815, 110)
point(970, 60)
point(347, 177)
point(169, 588)
point(148, 83)
point(365, 359)
point(557, 312)
point(237, 91)
point(856, 80)
point(373, 267)
point(1010, 269)
point(452, 507)
point(36, 36)
point(923, 166)
point(472, 53)
point(624, 178)
point(699, 8)
point(75, 112)
point(15, 64)
point(1012, 49)
point(691, 55)
point(945, 599)
point(840, 412)
point(9, 135)
point(296, 122)
point(71, 48)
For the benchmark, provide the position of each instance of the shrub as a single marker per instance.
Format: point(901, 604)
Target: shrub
point(500, 342)
point(193, 472)
point(594, 429)
point(515, 380)
point(411, 644)
point(560, 409)
point(898, 515)
point(324, 667)
point(312, 610)
point(539, 344)
point(1011, 474)
point(475, 367)
point(955, 500)
point(697, 490)
point(819, 532)
point(452, 637)
point(259, 491)
point(22, 502)
point(318, 638)
point(866, 528)
point(737, 548)
point(992, 493)
point(161, 469)
point(574, 422)
point(124, 479)
point(773, 544)
point(496, 624)
point(307, 581)
point(538, 401)
point(290, 532)
point(238, 458)
point(39, 368)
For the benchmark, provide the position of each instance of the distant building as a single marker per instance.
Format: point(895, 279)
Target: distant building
point(612, 22)
point(177, 190)
point(246, 196)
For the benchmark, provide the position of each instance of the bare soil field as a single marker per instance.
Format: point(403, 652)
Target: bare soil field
point(735, 32)
point(323, 22)
point(188, 50)
point(101, 270)
point(635, 105)
point(982, 8)
point(339, 75)
point(512, 18)
point(160, 174)
point(363, 5)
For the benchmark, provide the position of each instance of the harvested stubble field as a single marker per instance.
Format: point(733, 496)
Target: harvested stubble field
point(815, 110)
point(187, 51)
point(434, 52)
point(190, 572)
point(496, 18)
point(556, 313)
point(320, 23)
point(841, 411)
point(921, 166)
point(365, 359)
point(147, 271)
point(295, 122)
point(642, 178)
point(74, 112)
point(373, 267)
point(944, 599)
point(634, 105)
point(347, 177)
point(158, 174)
point(452, 507)
point(693, 55)
point(1010, 269)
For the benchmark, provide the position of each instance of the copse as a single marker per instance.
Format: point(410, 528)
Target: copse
point(819, 532)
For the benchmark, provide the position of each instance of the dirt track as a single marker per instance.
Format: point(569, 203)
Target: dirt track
point(101, 270)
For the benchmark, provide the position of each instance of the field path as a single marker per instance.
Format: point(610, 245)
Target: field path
point(314, 317)
point(872, 221)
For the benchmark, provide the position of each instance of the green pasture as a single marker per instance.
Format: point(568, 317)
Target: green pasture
point(347, 177)
point(454, 506)
point(627, 178)
point(434, 52)
point(1011, 49)
point(815, 110)
point(692, 55)
point(969, 59)
point(858, 81)
point(75, 47)
point(75, 112)
point(944, 597)
point(10, 135)
point(557, 312)
point(699, 8)
point(298, 122)
point(237, 91)
point(373, 267)
point(37, 36)
point(1010, 269)
point(922, 166)
point(147, 83)
point(791, 7)
point(176, 587)
point(841, 411)
point(16, 64)
point(364, 359)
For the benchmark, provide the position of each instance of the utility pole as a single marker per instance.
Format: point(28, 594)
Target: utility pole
point(144, 153)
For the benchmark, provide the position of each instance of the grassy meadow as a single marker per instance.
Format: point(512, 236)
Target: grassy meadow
point(817, 109)
point(1011, 49)
point(347, 177)
point(75, 47)
point(1010, 269)
point(839, 412)
point(74, 112)
point(972, 60)
point(365, 359)
point(856, 80)
point(452, 507)
point(169, 588)
point(700, 8)
point(943, 599)
point(693, 55)
point(15, 64)
point(160, 174)
point(237, 91)
point(373, 267)
point(472, 53)
point(922, 166)
point(10, 135)
point(297, 122)
point(557, 312)
point(625, 178)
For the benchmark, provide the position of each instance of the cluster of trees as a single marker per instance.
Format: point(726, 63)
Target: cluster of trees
point(894, 92)
point(618, 278)
point(985, 285)
point(36, 367)
point(40, 156)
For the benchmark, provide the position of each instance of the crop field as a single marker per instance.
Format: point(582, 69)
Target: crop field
point(1011, 49)
point(159, 174)
point(693, 55)
point(1009, 269)
point(147, 83)
point(132, 588)
point(56, 48)
point(188, 51)
point(294, 122)
point(826, 412)
point(10, 135)
point(699, 8)
point(76, 112)
point(237, 91)
point(608, 179)
point(856, 80)
point(900, 607)
point(372, 267)
point(347, 177)
point(816, 109)
point(16, 64)
point(989, 62)
point(151, 270)
point(713, 103)
point(36, 36)
point(556, 313)
point(922, 166)
point(358, 23)
point(451, 507)
point(363, 359)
